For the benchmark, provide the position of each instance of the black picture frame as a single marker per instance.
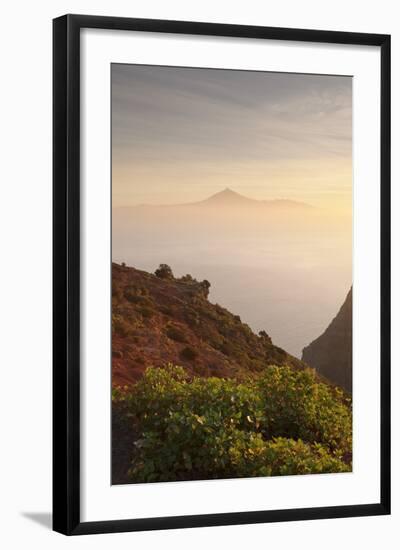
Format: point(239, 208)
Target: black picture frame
point(66, 273)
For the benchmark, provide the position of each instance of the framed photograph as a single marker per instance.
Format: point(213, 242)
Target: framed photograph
point(221, 274)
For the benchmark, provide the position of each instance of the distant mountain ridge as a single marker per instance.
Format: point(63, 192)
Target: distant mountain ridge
point(227, 197)
point(331, 353)
point(230, 198)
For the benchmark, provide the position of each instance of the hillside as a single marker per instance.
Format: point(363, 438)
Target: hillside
point(331, 353)
point(158, 320)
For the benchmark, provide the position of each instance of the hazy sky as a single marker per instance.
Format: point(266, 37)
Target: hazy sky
point(181, 134)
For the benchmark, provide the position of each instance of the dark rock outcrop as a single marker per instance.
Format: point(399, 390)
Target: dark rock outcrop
point(331, 353)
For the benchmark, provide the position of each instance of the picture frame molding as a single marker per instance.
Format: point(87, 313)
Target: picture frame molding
point(66, 273)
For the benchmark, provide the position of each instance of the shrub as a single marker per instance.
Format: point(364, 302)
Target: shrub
point(187, 278)
point(164, 272)
point(215, 428)
point(131, 295)
point(166, 310)
point(146, 312)
point(192, 318)
point(116, 291)
point(227, 348)
point(205, 286)
point(281, 456)
point(175, 333)
point(137, 296)
point(296, 406)
point(120, 326)
point(265, 337)
point(189, 353)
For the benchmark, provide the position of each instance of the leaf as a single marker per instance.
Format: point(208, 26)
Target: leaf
point(199, 419)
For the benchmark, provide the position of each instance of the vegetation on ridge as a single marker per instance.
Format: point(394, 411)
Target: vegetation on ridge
point(236, 406)
point(159, 319)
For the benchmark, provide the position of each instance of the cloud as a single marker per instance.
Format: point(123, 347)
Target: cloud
point(165, 118)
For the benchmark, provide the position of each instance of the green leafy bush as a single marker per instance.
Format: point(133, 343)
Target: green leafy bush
point(284, 422)
point(282, 456)
point(296, 406)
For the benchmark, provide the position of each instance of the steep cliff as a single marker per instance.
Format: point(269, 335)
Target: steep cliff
point(331, 353)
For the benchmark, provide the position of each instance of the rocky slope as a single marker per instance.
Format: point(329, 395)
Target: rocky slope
point(158, 319)
point(331, 353)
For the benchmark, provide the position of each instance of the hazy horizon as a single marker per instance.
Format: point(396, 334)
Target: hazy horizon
point(183, 135)
point(180, 134)
point(221, 192)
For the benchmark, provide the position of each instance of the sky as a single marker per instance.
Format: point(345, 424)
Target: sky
point(183, 134)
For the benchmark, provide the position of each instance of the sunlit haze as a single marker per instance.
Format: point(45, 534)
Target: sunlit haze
point(190, 147)
point(181, 134)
